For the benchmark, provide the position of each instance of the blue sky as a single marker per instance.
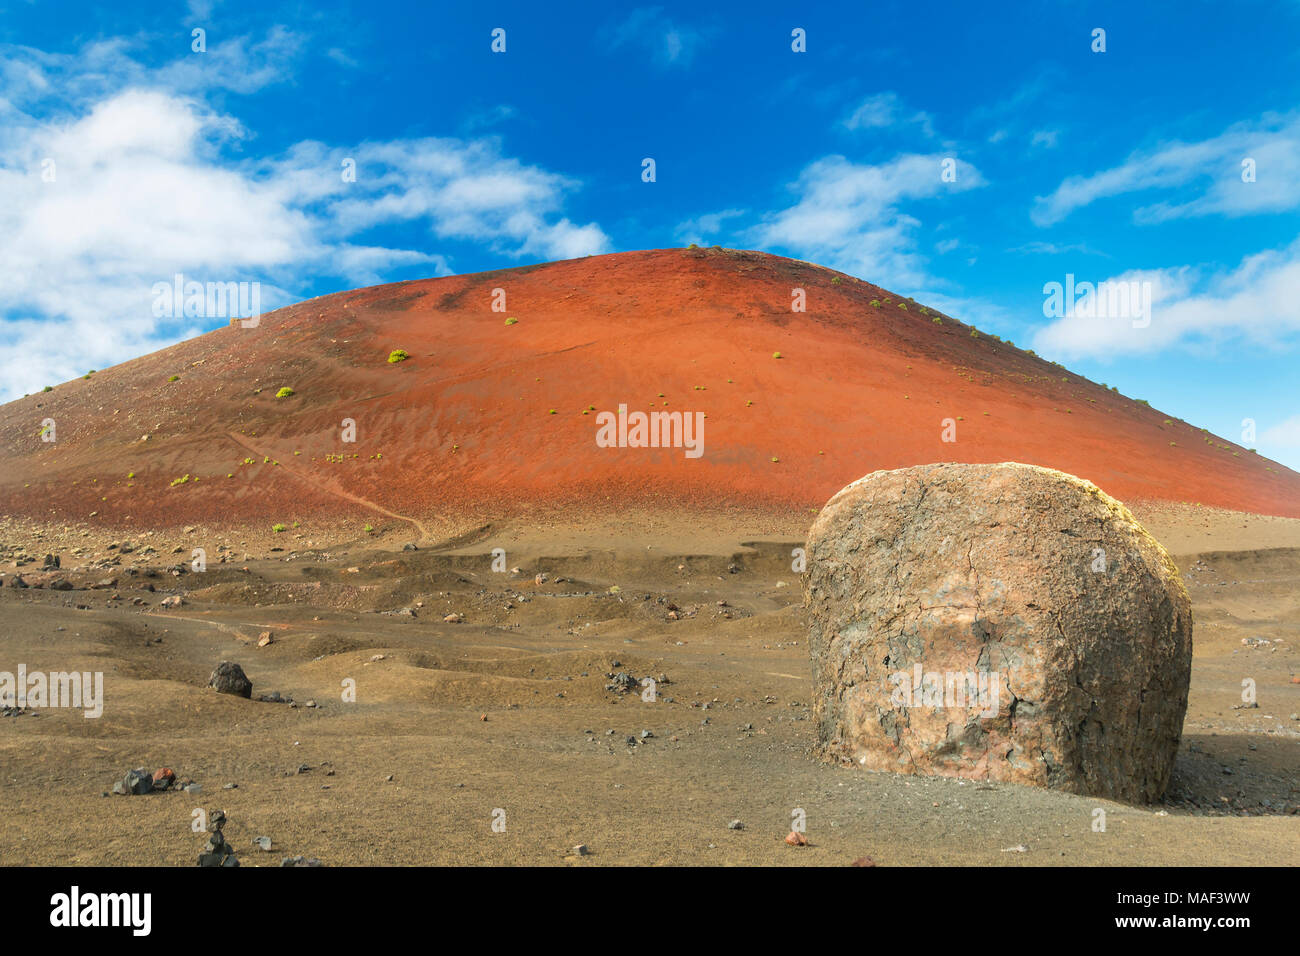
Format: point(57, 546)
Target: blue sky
point(126, 157)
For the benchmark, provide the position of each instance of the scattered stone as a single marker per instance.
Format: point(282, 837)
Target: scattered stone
point(51, 563)
point(581, 850)
point(622, 682)
point(229, 678)
point(60, 584)
point(983, 578)
point(795, 838)
point(299, 861)
point(452, 619)
point(174, 601)
point(164, 779)
point(863, 861)
point(136, 782)
point(735, 825)
point(263, 843)
point(264, 639)
point(540, 579)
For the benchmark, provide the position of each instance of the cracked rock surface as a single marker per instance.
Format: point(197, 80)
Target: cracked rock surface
point(997, 622)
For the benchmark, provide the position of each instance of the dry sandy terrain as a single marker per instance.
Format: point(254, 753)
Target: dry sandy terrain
point(509, 709)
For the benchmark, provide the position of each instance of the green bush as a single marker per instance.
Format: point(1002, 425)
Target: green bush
point(284, 392)
point(398, 355)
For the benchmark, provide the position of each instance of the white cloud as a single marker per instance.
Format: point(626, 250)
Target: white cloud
point(144, 187)
point(847, 215)
point(668, 43)
point(1210, 169)
point(1285, 434)
point(883, 110)
point(1256, 301)
point(1045, 137)
point(700, 229)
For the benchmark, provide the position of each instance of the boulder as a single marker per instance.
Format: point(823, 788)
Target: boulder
point(229, 678)
point(997, 622)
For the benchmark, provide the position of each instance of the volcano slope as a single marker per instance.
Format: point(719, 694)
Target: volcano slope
point(490, 417)
point(637, 562)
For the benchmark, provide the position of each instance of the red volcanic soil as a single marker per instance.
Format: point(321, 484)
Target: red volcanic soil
point(465, 427)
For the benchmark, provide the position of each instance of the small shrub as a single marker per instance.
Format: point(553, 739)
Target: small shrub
point(174, 378)
point(398, 355)
point(875, 303)
point(48, 388)
point(368, 529)
point(903, 306)
point(180, 481)
point(277, 528)
point(284, 392)
point(510, 321)
point(937, 321)
point(776, 355)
